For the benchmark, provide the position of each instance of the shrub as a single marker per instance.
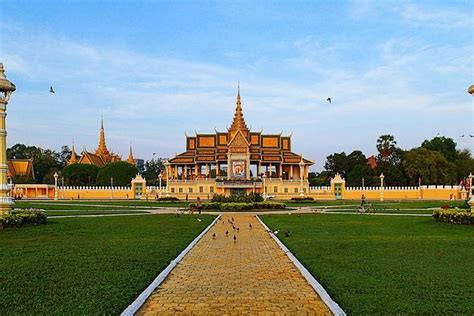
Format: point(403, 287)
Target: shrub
point(244, 198)
point(167, 199)
point(454, 217)
point(302, 199)
point(241, 206)
point(121, 171)
point(22, 218)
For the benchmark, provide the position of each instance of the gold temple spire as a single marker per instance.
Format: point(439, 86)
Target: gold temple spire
point(238, 122)
point(73, 158)
point(102, 149)
point(130, 159)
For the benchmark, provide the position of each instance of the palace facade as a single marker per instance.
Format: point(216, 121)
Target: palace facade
point(102, 156)
point(238, 160)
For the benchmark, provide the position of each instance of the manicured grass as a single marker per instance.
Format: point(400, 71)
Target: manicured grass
point(379, 265)
point(95, 205)
point(387, 204)
point(94, 212)
point(88, 265)
point(382, 210)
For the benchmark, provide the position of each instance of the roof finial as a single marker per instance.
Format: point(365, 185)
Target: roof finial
point(238, 121)
point(130, 159)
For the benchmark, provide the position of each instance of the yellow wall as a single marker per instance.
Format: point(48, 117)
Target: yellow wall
point(279, 189)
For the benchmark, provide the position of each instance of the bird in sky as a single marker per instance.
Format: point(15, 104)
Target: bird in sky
point(471, 135)
point(329, 100)
point(462, 135)
point(51, 90)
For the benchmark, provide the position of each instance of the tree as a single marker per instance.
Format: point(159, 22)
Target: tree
point(64, 156)
point(430, 165)
point(336, 163)
point(153, 168)
point(446, 146)
point(464, 164)
point(122, 173)
point(44, 160)
point(354, 178)
point(386, 145)
point(393, 168)
point(80, 174)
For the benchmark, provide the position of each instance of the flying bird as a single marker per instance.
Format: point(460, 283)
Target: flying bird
point(471, 135)
point(51, 90)
point(329, 100)
point(462, 135)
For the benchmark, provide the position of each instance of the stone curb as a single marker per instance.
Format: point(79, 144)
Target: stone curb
point(332, 305)
point(140, 300)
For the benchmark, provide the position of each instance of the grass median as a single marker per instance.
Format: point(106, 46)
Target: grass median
point(385, 265)
point(88, 265)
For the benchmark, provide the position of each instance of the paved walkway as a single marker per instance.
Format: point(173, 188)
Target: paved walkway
point(250, 275)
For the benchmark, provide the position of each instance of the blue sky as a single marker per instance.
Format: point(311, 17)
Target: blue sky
point(158, 69)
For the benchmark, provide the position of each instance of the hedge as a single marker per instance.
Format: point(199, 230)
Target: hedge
point(241, 206)
point(238, 198)
point(302, 199)
point(454, 217)
point(22, 218)
point(167, 199)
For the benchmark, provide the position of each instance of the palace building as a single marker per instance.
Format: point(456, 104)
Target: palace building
point(238, 160)
point(102, 156)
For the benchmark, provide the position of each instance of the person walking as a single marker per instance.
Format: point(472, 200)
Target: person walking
point(198, 205)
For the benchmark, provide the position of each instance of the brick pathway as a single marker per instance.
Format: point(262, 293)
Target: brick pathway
point(219, 276)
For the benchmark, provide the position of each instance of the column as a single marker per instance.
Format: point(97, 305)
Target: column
point(291, 172)
point(259, 167)
point(270, 173)
point(218, 172)
point(280, 171)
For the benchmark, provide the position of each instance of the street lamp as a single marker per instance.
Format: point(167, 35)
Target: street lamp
point(301, 165)
point(381, 186)
point(6, 90)
point(470, 90)
point(55, 186)
point(159, 177)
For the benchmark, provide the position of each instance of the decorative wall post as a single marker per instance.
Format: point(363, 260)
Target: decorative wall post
point(167, 166)
point(381, 186)
point(159, 177)
point(6, 89)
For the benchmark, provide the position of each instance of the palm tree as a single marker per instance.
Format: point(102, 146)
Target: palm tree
point(386, 145)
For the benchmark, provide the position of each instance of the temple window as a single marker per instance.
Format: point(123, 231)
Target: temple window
point(180, 190)
point(211, 189)
point(286, 190)
point(190, 190)
point(275, 189)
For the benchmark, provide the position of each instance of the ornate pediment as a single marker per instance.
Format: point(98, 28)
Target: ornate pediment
point(239, 143)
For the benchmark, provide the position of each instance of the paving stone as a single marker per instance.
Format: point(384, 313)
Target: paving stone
point(249, 276)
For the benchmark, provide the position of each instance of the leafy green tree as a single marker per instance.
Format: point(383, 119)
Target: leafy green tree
point(446, 146)
point(122, 173)
point(393, 168)
point(44, 160)
point(80, 174)
point(386, 145)
point(354, 178)
point(464, 164)
point(336, 163)
point(153, 168)
point(430, 165)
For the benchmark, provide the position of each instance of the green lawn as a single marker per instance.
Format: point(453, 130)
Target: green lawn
point(93, 212)
point(387, 204)
point(88, 265)
point(95, 205)
point(385, 265)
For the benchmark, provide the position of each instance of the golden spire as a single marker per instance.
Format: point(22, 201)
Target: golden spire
point(130, 159)
point(238, 122)
point(73, 158)
point(102, 149)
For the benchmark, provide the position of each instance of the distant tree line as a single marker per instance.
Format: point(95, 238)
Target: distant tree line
point(46, 162)
point(436, 161)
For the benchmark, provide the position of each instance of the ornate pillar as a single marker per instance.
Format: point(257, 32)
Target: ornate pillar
point(270, 173)
point(259, 168)
point(291, 172)
point(6, 89)
point(218, 171)
point(280, 172)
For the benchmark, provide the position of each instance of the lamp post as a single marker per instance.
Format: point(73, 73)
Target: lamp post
point(167, 166)
point(264, 176)
point(159, 177)
point(381, 186)
point(301, 165)
point(55, 186)
point(6, 90)
point(470, 90)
